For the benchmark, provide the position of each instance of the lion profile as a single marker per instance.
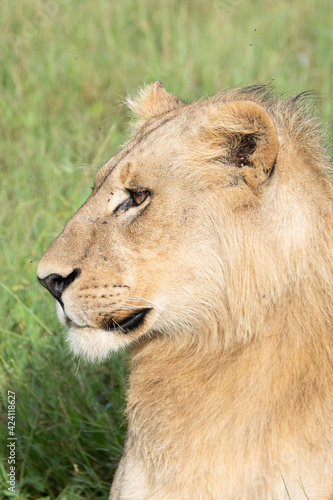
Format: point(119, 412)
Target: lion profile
point(206, 246)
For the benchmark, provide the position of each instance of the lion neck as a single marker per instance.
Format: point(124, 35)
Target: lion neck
point(183, 392)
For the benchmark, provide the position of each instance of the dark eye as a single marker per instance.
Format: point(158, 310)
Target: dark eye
point(135, 199)
point(139, 197)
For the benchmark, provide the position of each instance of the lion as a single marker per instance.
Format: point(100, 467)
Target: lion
point(206, 246)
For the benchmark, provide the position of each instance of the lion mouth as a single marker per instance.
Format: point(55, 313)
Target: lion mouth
point(127, 324)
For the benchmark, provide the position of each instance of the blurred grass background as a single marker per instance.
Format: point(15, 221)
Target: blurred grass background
point(64, 65)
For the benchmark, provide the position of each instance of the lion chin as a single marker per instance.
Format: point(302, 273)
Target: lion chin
point(95, 344)
point(92, 344)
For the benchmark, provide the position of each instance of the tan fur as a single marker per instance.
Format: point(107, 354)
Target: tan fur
point(231, 387)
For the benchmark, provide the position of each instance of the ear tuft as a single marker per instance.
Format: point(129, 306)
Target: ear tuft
point(151, 101)
point(242, 134)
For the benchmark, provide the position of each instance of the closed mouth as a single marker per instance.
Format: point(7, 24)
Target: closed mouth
point(126, 325)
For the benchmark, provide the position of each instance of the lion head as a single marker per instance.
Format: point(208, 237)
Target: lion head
point(177, 221)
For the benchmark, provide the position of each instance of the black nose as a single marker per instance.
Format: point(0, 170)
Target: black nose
point(57, 284)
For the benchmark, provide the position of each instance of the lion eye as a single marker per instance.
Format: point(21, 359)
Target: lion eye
point(139, 196)
point(135, 199)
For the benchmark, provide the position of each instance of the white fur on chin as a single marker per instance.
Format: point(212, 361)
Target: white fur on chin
point(94, 344)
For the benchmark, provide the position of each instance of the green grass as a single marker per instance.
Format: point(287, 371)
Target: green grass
point(64, 65)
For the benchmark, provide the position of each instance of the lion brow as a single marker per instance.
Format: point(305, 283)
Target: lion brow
point(140, 137)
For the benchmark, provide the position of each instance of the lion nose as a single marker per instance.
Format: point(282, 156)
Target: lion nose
point(57, 284)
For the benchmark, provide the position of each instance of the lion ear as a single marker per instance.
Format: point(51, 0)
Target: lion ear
point(153, 100)
point(243, 134)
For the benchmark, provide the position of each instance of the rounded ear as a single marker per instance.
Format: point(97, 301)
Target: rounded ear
point(245, 136)
point(153, 100)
